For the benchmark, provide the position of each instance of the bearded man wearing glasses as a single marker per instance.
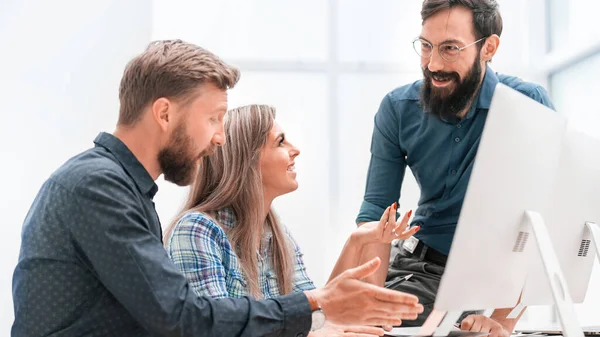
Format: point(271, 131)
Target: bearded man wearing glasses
point(434, 126)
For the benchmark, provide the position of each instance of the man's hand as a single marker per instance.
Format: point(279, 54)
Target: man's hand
point(335, 330)
point(481, 323)
point(347, 300)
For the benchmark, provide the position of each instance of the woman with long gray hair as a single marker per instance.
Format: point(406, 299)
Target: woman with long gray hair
point(227, 239)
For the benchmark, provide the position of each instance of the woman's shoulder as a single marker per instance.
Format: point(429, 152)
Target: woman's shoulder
point(198, 222)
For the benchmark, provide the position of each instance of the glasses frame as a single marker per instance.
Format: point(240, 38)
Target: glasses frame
point(440, 50)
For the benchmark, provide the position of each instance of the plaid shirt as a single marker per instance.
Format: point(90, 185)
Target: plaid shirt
point(201, 250)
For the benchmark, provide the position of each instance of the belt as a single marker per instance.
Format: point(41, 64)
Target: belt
point(429, 254)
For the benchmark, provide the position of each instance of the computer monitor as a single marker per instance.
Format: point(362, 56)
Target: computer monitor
point(513, 172)
point(575, 200)
point(519, 203)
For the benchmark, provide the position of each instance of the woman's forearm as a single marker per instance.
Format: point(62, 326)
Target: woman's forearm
point(349, 257)
point(382, 250)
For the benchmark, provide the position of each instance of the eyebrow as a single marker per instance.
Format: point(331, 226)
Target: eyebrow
point(445, 41)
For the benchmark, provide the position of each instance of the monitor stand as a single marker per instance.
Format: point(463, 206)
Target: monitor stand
point(534, 223)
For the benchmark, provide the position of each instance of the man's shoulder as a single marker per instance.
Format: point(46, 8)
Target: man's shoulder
point(526, 88)
point(408, 92)
point(86, 167)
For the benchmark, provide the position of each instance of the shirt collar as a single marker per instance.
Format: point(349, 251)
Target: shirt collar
point(490, 80)
point(484, 95)
point(129, 162)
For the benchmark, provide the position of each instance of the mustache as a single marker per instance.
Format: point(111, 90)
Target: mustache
point(428, 74)
point(210, 150)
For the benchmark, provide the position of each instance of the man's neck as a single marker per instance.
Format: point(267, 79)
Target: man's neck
point(139, 141)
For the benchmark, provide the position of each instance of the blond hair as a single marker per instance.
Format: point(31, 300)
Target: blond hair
point(231, 178)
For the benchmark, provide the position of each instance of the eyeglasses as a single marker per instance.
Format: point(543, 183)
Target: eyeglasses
point(448, 51)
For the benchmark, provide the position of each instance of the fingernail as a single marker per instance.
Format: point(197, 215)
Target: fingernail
point(417, 228)
point(409, 213)
point(394, 205)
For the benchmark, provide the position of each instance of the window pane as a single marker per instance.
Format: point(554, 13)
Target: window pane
point(378, 30)
point(360, 96)
point(574, 91)
point(256, 29)
point(573, 23)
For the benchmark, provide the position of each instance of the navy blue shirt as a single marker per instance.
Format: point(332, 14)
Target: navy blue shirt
point(92, 263)
point(440, 155)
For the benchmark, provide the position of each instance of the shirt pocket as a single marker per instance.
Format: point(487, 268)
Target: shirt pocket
point(236, 285)
point(273, 286)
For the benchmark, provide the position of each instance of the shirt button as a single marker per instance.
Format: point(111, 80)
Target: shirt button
point(453, 171)
point(458, 126)
point(300, 335)
point(457, 139)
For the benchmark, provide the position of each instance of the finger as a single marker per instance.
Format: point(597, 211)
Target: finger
point(477, 326)
point(373, 330)
point(402, 314)
point(407, 216)
point(388, 327)
point(364, 270)
point(392, 321)
point(392, 297)
point(409, 233)
point(467, 323)
point(391, 220)
point(384, 217)
point(404, 223)
point(497, 332)
point(352, 334)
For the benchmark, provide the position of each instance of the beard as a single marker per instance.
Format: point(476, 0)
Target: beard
point(176, 160)
point(448, 103)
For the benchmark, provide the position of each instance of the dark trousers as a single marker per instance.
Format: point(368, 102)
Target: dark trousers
point(427, 269)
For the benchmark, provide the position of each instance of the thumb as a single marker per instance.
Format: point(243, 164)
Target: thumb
point(365, 269)
point(467, 323)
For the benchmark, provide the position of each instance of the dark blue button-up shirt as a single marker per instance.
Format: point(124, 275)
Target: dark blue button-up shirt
point(440, 155)
point(92, 263)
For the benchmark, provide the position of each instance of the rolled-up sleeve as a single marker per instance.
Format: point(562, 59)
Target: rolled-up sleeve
point(387, 165)
point(111, 233)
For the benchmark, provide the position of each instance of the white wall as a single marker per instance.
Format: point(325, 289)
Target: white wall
point(61, 62)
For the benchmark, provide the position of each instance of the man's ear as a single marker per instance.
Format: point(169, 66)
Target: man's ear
point(162, 109)
point(490, 47)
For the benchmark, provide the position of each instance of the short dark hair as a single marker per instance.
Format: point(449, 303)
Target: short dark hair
point(486, 14)
point(172, 69)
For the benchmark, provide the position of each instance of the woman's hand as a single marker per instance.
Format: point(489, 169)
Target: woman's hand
point(386, 229)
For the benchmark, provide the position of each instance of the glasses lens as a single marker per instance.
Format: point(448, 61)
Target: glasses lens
point(422, 48)
point(449, 52)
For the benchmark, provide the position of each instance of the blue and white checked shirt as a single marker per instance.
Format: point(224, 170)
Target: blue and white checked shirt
point(200, 249)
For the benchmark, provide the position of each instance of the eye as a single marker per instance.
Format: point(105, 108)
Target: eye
point(449, 48)
point(281, 140)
